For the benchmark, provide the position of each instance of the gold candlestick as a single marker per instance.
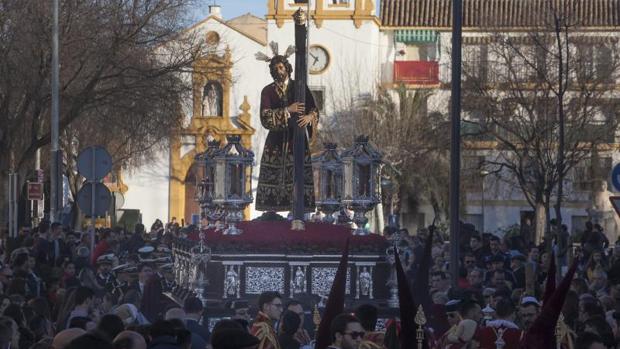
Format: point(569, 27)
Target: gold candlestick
point(559, 331)
point(316, 319)
point(420, 320)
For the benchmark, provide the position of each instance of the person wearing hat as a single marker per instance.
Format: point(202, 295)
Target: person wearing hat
point(167, 281)
point(452, 313)
point(104, 275)
point(145, 251)
point(528, 311)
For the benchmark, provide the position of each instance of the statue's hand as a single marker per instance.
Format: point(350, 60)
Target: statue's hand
point(296, 107)
point(305, 120)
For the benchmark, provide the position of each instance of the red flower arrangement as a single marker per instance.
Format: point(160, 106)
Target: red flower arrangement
point(277, 237)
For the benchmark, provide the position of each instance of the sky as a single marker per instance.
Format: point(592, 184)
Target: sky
point(232, 8)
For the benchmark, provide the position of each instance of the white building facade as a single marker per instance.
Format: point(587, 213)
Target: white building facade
point(353, 50)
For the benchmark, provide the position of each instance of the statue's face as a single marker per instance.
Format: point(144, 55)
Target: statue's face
point(281, 72)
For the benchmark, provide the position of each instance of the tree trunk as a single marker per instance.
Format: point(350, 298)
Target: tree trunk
point(547, 241)
point(560, 100)
point(541, 221)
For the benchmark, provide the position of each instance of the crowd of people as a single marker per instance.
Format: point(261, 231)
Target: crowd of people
point(501, 288)
point(57, 293)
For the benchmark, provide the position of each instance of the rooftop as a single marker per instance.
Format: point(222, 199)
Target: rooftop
point(499, 13)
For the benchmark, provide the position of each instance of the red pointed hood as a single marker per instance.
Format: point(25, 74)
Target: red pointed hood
point(420, 292)
point(335, 301)
point(408, 308)
point(542, 332)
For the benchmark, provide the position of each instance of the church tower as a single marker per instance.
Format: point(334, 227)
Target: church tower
point(357, 11)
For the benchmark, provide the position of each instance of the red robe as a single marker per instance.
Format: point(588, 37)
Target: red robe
point(488, 335)
point(101, 248)
point(262, 328)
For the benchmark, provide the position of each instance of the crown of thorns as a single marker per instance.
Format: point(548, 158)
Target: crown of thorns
point(274, 48)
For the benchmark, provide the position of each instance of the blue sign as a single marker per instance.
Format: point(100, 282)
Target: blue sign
point(615, 177)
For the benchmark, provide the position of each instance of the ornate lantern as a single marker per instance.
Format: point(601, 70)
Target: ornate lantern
point(328, 168)
point(233, 189)
point(361, 181)
point(206, 187)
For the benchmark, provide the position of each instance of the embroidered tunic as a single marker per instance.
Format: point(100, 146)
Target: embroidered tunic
point(275, 181)
point(262, 328)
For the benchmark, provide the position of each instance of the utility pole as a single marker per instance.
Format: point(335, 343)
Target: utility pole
point(55, 165)
point(455, 139)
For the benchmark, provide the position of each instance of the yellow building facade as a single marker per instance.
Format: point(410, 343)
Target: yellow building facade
point(211, 120)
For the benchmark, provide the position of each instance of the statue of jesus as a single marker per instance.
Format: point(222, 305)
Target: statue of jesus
point(275, 181)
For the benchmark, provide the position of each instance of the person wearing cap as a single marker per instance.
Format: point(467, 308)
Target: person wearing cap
point(270, 308)
point(104, 275)
point(452, 313)
point(501, 330)
point(145, 251)
point(167, 281)
point(528, 311)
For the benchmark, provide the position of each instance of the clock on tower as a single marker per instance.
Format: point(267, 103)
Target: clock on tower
point(318, 59)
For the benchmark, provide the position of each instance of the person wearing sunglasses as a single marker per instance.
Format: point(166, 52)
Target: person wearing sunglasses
point(453, 316)
point(270, 308)
point(346, 332)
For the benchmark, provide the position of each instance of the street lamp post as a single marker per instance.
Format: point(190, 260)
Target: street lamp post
point(55, 177)
point(455, 139)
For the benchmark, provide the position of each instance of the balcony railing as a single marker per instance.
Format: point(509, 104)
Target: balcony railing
point(416, 72)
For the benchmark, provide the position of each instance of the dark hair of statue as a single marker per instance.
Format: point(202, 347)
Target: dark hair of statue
point(279, 59)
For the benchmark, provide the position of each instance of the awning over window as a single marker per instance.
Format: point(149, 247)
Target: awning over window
point(408, 36)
